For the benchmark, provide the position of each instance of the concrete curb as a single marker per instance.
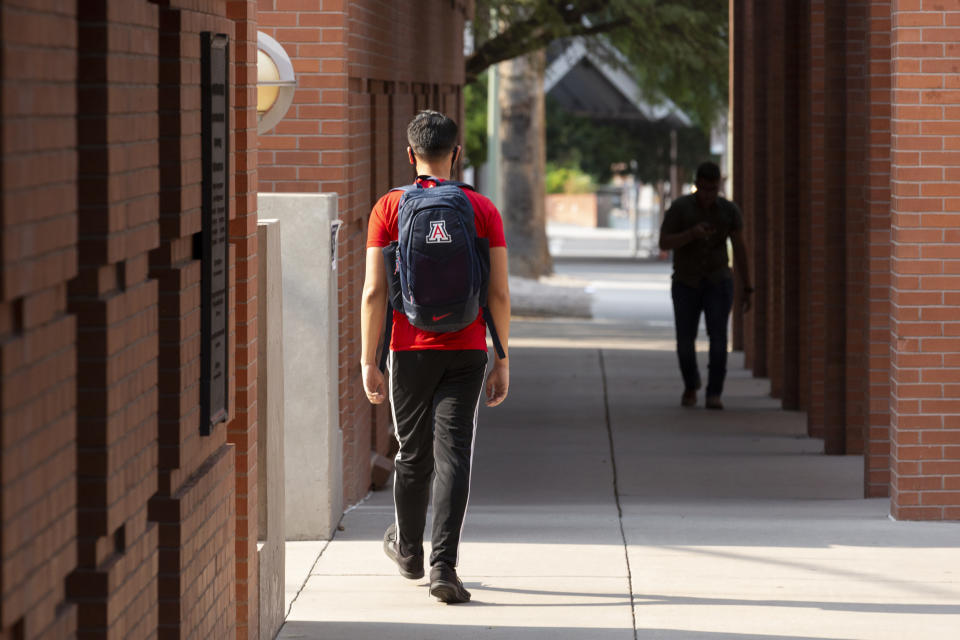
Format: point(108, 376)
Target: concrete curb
point(549, 298)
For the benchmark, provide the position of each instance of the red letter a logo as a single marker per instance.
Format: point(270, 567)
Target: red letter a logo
point(438, 232)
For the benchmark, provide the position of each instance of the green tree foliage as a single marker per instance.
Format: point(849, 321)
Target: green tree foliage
point(643, 148)
point(676, 49)
point(568, 179)
point(475, 135)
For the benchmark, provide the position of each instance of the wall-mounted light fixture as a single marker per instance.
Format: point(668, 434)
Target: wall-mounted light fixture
point(276, 82)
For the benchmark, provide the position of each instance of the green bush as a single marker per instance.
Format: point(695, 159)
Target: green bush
point(568, 180)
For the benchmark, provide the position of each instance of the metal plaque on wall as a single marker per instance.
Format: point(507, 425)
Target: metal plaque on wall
point(214, 250)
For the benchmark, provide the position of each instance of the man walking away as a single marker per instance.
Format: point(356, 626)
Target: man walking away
point(434, 378)
point(696, 228)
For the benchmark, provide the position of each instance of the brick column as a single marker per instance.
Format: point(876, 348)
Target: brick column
point(736, 92)
point(877, 461)
point(925, 286)
point(804, 186)
point(857, 171)
point(242, 430)
point(816, 164)
point(790, 243)
point(116, 304)
point(195, 503)
point(38, 354)
point(774, 85)
point(834, 230)
point(752, 167)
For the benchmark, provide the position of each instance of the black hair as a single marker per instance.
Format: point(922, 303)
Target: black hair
point(708, 171)
point(432, 135)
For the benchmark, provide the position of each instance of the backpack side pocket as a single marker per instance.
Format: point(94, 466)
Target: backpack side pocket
point(392, 268)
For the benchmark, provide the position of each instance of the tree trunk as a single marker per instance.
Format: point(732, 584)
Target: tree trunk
point(523, 164)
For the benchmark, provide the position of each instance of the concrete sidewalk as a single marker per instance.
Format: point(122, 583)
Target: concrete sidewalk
point(701, 525)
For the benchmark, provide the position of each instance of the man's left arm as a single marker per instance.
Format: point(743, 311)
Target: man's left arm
point(498, 300)
point(741, 266)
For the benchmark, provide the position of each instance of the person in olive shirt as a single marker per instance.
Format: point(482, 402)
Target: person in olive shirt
point(696, 228)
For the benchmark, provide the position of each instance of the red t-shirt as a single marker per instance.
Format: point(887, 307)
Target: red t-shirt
point(383, 229)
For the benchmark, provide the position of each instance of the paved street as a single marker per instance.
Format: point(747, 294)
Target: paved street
point(601, 510)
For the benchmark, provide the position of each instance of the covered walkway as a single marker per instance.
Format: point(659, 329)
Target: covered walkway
point(602, 510)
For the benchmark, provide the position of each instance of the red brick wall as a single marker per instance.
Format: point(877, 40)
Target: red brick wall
point(205, 490)
point(119, 519)
point(38, 218)
point(878, 199)
point(925, 287)
point(116, 306)
point(359, 83)
point(242, 430)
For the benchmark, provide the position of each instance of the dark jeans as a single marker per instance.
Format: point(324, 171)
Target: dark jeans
point(714, 300)
point(434, 396)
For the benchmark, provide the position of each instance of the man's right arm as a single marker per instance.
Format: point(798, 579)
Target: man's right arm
point(671, 238)
point(373, 307)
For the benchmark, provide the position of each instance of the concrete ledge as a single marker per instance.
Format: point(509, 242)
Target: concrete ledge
point(313, 441)
point(271, 547)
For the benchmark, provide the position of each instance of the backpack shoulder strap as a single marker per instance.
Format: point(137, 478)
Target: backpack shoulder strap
point(494, 336)
point(385, 341)
point(462, 185)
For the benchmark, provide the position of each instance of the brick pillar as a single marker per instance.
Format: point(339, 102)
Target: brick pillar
point(781, 140)
point(736, 92)
point(759, 227)
point(790, 243)
point(877, 461)
point(38, 355)
point(857, 172)
point(816, 220)
point(753, 178)
point(116, 304)
point(773, 91)
point(242, 430)
point(925, 285)
point(834, 231)
point(196, 494)
point(804, 186)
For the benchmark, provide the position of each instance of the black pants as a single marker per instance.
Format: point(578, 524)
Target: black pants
point(434, 396)
point(714, 300)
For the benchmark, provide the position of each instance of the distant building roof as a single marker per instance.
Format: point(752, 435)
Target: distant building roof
point(586, 84)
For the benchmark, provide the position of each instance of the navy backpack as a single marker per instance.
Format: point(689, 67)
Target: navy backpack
point(438, 270)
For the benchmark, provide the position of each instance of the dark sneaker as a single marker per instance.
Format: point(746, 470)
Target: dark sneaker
point(714, 402)
point(689, 398)
point(445, 586)
point(411, 567)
